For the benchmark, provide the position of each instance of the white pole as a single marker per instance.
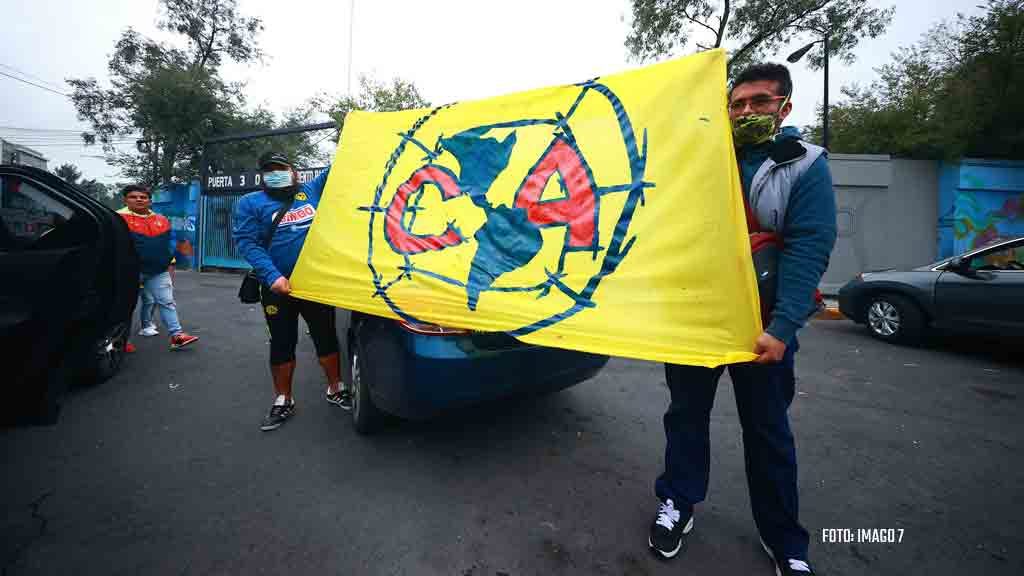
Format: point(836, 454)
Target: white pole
point(351, 29)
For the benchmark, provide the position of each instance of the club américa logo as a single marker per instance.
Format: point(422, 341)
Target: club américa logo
point(510, 236)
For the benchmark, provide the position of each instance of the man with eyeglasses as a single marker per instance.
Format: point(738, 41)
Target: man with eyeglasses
point(788, 191)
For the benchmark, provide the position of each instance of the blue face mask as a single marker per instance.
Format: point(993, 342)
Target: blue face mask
point(278, 179)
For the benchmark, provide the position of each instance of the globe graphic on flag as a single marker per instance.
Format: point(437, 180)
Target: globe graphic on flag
point(468, 164)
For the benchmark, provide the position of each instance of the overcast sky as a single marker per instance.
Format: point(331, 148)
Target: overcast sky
point(452, 49)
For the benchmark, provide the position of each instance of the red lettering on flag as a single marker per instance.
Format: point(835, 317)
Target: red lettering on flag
point(400, 238)
point(578, 210)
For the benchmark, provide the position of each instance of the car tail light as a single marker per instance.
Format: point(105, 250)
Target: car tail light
point(430, 329)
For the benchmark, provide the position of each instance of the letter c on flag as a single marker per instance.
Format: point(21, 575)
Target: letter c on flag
point(401, 238)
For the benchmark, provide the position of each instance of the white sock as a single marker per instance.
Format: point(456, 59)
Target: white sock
point(281, 400)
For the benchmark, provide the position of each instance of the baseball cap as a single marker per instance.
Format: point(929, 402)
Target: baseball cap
point(274, 158)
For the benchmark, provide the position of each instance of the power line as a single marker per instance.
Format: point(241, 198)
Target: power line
point(52, 136)
point(23, 73)
point(64, 137)
point(43, 133)
point(72, 145)
point(71, 140)
point(329, 134)
point(2, 73)
point(20, 129)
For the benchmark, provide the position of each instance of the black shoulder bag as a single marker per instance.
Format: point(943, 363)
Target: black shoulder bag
point(249, 291)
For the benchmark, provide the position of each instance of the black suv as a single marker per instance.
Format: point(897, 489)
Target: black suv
point(70, 279)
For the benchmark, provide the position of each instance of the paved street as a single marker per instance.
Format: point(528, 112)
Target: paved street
point(163, 469)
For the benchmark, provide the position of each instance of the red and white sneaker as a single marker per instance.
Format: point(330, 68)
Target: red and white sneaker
point(181, 339)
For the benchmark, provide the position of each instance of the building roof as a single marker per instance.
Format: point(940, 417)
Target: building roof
point(24, 149)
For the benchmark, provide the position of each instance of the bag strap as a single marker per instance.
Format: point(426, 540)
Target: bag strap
point(753, 224)
point(277, 220)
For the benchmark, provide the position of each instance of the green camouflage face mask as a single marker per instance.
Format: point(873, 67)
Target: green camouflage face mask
point(753, 129)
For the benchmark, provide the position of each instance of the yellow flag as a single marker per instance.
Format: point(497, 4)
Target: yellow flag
point(604, 216)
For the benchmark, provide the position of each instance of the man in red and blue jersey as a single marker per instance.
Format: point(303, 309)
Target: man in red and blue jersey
point(154, 244)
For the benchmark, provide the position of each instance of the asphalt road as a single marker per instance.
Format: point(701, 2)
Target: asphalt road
point(163, 469)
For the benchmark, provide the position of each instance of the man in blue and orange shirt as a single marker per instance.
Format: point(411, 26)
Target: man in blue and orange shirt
point(155, 246)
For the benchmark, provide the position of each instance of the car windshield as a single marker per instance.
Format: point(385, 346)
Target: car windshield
point(985, 246)
point(1009, 257)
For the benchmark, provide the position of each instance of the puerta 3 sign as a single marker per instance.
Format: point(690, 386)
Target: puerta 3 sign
point(511, 235)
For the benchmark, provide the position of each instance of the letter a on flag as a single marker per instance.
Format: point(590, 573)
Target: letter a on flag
point(604, 216)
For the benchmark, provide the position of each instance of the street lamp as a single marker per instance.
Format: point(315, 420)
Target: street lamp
point(794, 58)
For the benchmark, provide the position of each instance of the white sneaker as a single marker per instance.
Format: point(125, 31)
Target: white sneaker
point(149, 330)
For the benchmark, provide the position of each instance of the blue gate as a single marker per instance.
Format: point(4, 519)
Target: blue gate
point(217, 213)
point(216, 244)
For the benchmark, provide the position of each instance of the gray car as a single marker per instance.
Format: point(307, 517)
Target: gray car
point(978, 291)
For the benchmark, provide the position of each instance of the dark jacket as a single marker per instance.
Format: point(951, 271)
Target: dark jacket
point(796, 175)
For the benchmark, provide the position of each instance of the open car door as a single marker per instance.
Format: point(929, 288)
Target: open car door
point(70, 280)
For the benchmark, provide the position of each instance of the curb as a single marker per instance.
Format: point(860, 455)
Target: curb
point(830, 313)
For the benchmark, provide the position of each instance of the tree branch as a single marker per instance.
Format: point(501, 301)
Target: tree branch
point(721, 25)
point(695, 21)
point(208, 50)
point(209, 46)
point(762, 37)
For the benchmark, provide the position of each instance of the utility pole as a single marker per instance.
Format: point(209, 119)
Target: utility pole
point(824, 126)
point(351, 31)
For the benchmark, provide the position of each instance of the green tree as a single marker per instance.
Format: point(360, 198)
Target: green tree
point(109, 196)
point(980, 112)
point(955, 93)
point(68, 172)
point(305, 149)
point(98, 190)
point(374, 96)
point(755, 29)
point(171, 97)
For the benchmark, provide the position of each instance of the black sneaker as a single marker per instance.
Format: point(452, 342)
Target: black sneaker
point(277, 416)
point(342, 398)
point(791, 567)
point(668, 530)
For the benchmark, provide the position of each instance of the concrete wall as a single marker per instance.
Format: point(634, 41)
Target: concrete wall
point(886, 215)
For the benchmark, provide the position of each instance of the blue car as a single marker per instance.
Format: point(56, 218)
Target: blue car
point(416, 371)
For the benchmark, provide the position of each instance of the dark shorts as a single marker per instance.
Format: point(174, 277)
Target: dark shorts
point(282, 314)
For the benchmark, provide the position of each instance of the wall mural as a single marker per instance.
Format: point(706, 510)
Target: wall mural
point(982, 216)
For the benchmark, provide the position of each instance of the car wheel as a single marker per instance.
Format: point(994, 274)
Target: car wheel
point(894, 318)
point(107, 356)
point(366, 417)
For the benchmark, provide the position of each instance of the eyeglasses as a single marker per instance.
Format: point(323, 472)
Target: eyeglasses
point(757, 103)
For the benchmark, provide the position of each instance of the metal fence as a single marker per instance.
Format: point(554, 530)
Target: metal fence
point(217, 221)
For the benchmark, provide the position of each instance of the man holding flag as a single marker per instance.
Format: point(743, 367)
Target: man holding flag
point(270, 229)
point(787, 187)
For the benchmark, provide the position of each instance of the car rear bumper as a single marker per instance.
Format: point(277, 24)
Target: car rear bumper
point(446, 372)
